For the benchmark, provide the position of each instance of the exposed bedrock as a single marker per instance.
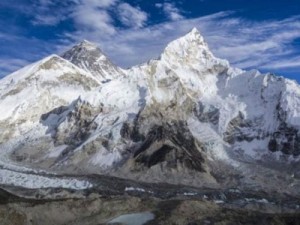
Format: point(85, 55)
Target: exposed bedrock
point(170, 144)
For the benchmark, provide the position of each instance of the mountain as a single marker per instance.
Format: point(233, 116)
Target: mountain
point(186, 117)
point(90, 58)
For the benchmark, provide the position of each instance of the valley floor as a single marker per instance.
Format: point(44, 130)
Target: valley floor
point(110, 200)
point(135, 211)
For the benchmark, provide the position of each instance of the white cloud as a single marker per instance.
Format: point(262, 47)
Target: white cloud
point(47, 12)
point(246, 44)
point(87, 15)
point(253, 44)
point(47, 20)
point(90, 19)
point(98, 3)
point(131, 16)
point(92, 16)
point(170, 10)
point(291, 62)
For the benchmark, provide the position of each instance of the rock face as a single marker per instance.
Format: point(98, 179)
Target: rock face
point(89, 57)
point(182, 115)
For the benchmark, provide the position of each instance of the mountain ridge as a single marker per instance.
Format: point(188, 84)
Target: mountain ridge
point(178, 118)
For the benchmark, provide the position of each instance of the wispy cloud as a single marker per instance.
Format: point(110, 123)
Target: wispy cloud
point(93, 15)
point(132, 16)
point(293, 62)
point(49, 12)
point(47, 20)
point(90, 14)
point(246, 44)
point(172, 12)
point(97, 3)
point(254, 44)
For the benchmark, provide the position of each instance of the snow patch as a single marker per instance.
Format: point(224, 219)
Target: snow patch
point(56, 152)
point(128, 189)
point(31, 181)
point(105, 158)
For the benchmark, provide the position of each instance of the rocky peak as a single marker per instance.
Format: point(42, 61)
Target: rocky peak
point(88, 56)
point(191, 50)
point(87, 44)
point(194, 35)
point(83, 49)
point(188, 43)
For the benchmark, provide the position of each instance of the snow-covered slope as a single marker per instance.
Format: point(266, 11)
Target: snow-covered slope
point(180, 116)
point(28, 94)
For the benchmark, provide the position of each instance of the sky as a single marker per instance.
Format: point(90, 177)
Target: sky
point(250, 34)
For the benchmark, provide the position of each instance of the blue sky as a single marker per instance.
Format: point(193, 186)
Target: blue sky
point(261, 34)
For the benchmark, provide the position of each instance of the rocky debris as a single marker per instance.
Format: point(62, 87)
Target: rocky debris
point(95, 209)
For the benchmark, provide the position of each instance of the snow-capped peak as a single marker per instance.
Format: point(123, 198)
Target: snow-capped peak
point(87, 44)
point(195, 35)
point(82, 50)
point(192, 51)
point(88, 56)
point(194, 30)
point(192, 40)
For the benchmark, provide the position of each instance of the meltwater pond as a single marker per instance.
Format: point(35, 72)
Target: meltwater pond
point(133, 219)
